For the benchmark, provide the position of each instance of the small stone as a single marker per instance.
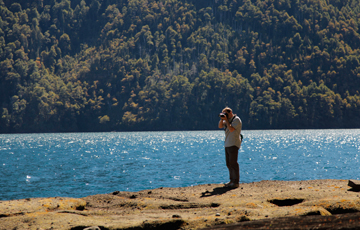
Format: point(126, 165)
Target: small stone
point(92, 228)
point(217, 214)
point(176, 216)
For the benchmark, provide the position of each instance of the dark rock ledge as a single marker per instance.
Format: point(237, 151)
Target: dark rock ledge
point(316, 204)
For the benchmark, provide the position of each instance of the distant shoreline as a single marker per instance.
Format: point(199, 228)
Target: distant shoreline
point(177, 130)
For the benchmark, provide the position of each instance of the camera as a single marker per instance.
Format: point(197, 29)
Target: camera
point(223, 115)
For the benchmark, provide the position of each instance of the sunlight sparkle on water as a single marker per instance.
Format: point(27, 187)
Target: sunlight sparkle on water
point(81, 164)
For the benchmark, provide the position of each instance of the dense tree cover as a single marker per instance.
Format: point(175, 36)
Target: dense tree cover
point(102, 65)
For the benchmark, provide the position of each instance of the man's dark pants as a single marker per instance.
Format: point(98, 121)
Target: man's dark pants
point(231, 154)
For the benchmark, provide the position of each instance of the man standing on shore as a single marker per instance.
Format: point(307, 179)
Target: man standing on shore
point(232, 125)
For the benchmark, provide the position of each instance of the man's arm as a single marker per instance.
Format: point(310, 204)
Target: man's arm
point(229, 126)
point(221, 124)
point(225, 121)
point(236, 124)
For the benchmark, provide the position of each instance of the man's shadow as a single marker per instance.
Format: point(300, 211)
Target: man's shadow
point(216, 191)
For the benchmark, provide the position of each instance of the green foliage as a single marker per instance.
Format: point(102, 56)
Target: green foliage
point(93, 65)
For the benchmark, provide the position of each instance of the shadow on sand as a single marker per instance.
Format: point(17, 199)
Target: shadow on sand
point(216, 191)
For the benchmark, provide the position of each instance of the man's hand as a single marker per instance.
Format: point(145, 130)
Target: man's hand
point(224, 118)
point(221, 122)
point(227, 122)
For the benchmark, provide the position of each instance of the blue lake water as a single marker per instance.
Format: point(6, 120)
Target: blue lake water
point(82, 164)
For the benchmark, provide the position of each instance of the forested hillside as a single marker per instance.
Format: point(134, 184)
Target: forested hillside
point(103, 65)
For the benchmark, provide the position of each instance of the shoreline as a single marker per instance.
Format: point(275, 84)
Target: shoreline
point(197, 207)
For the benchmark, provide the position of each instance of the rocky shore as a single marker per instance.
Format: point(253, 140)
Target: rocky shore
point(316, 204)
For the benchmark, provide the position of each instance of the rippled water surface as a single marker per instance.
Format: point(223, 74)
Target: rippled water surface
point(82, 164)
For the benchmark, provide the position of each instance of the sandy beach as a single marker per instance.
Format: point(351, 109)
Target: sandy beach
point(318, 204)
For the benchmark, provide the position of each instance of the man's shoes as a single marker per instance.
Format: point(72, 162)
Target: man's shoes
point(232, 185)
point(227, 184)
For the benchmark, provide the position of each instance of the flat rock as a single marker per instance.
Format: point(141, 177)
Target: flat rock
point(340, 221)
point(258, 205)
